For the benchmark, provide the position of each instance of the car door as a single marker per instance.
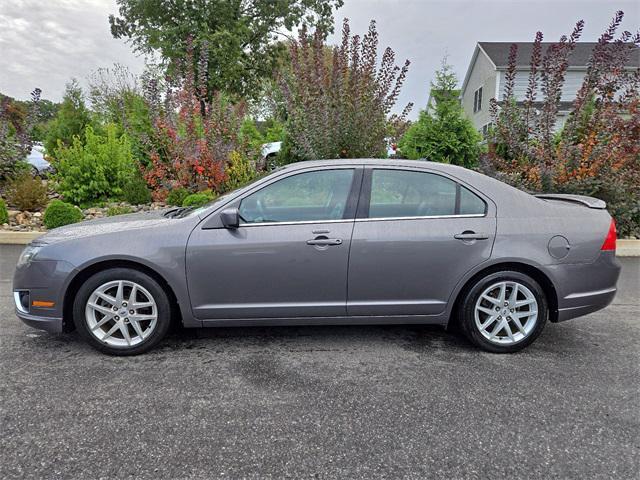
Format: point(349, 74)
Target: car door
point(416, 234)
point(289, 255)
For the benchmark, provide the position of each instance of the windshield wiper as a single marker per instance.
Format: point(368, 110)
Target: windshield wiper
point(177, 212)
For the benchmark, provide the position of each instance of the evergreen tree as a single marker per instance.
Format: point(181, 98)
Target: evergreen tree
point(71, 120)
point(442, 132)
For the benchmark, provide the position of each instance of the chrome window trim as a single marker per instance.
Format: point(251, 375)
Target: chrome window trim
point(311, 222)
point(302, 222)
point(426, 217)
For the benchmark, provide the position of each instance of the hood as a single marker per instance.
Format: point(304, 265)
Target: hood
point(118, 223)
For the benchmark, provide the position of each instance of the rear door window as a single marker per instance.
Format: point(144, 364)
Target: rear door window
point(408, 193)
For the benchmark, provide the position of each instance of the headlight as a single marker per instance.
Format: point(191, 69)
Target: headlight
point(28, 254)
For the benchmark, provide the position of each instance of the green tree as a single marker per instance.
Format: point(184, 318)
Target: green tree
point(117, 97)
point(442, 132)
point(239, 36)
point(71, 120)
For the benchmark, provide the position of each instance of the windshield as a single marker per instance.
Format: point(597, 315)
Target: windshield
point(223, 198)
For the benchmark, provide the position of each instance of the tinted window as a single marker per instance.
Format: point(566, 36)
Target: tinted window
point(470, 203)
point(319, 195)
point(403, 193)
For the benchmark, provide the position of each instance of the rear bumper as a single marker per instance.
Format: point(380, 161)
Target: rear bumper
point(588, 302)
point(587, 287)
point(50, 324)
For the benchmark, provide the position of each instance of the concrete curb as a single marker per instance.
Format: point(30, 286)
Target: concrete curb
point(628, 248)
point(625, 248)
point(7, 237)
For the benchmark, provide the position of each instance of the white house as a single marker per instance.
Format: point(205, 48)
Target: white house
point(485, 77)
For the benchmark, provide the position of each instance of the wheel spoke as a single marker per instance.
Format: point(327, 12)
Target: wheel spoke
point(107, 298)
point(100, 308)
point(519, 325)
point(507, 328)
point(495, 301)
point(104, 320)
point(125, 332)
point(488, 322)
point(120, 293)
point(503, 292)
point(514, 296)
point(486, 310)
point(111, 331)
point(133, 295)
point(138, 305)
point(496, 329)
point(142, 318)
point(523, 303)
point(136, 326)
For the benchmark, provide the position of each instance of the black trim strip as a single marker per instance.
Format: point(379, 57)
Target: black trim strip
point(365, 194)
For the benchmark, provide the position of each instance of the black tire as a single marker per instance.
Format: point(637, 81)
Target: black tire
point(466, 312)
point(157, 292)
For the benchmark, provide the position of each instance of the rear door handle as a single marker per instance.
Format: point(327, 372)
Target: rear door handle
point(325, 241)
point(471, 236)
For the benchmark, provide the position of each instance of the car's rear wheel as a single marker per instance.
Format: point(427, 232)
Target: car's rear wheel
point(122, 311)
point(504, 312)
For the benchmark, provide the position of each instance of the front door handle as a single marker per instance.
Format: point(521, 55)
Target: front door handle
point(324, 241)
point(471, 236)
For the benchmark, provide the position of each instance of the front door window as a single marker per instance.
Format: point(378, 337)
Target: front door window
point(312, 196)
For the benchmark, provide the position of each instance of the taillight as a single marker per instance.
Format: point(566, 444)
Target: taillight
point(610, 242)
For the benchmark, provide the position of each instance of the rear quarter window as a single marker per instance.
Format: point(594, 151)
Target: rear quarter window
point(470, 203)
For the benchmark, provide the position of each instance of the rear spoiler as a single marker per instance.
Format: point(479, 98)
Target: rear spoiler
point(581, 199)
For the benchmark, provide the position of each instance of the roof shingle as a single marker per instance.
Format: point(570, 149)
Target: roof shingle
point(498, 52)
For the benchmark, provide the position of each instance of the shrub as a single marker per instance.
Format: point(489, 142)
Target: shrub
point(176, 196)
point(27, 193)
point(239, 171)
point(4, 215)
point(197, 199)
point(59, 213)
point(119, 210)
point(338, 99)
point(98, 170)
point(136, 191)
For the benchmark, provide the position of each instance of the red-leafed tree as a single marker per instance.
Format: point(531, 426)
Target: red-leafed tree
point(597, 152)
point(194, 135)
point(338, 99)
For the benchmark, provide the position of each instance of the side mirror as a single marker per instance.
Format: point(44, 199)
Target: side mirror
point(230, 218)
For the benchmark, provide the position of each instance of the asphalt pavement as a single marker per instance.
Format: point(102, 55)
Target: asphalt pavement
point(325, 402)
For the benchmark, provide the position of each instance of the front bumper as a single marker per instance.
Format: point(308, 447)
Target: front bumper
point(50, 324)
point(45, 282)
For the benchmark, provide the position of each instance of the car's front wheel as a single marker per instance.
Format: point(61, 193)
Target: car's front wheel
point(122, 311)
point(504, 311)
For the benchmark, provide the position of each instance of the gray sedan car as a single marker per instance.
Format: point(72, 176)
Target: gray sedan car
point(330, 242)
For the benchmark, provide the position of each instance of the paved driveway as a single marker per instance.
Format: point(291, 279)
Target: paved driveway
point(325, 402)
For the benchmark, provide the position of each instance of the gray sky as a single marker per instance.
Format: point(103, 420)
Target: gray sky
point(44, 44)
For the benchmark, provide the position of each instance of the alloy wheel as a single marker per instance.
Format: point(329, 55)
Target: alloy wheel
point(121, 313)
point(506, 312)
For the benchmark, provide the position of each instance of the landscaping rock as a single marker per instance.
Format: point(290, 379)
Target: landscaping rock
point(24, 221)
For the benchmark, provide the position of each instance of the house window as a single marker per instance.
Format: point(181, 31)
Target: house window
point(485, 130)
point(477, 100)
